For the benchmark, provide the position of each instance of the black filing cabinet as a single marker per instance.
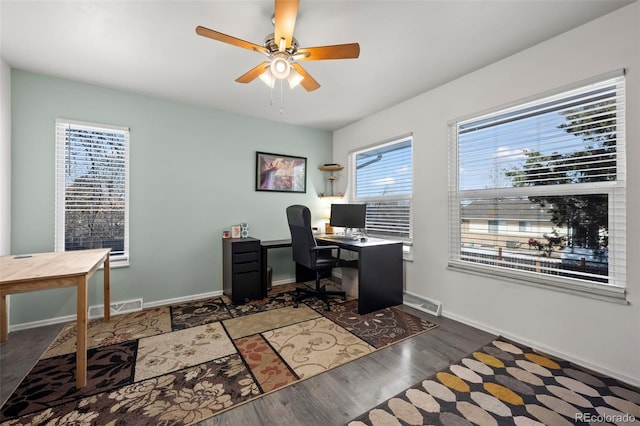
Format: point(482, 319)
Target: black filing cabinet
point(242, 274)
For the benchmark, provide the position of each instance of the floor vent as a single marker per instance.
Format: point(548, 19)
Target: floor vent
point(429, 306)
point(117, 308)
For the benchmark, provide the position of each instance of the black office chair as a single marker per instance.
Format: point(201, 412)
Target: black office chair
point(309, 254)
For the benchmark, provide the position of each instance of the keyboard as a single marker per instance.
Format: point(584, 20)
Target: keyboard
point(343, 237)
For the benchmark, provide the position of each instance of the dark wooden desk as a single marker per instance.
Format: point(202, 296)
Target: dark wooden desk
point(380, 269)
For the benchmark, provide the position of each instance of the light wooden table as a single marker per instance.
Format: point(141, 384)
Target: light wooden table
point(40, 271)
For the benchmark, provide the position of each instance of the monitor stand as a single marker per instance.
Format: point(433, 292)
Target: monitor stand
point(352, 233)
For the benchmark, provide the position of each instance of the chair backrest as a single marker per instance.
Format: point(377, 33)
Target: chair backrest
point(302, 239)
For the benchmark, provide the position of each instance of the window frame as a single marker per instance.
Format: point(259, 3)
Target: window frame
point(352, 195)
point(117, 260)
point(615, 289)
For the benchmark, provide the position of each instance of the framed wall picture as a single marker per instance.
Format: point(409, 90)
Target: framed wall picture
point(280, 173)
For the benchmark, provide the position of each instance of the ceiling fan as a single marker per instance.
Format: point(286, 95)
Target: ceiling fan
point(283, 50)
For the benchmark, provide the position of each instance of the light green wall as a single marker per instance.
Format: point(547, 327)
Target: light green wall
point(192, 172)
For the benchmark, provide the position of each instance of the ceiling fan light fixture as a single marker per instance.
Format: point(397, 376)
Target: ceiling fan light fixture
point(280, 67)
point(268, 78)
point(294, 78)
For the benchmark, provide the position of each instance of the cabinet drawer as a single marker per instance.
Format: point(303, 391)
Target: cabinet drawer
point(251, 256)
point(245, 267)
point(246, 284)
point(246, 246)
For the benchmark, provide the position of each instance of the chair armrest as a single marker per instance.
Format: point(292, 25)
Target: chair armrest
point(318, 248)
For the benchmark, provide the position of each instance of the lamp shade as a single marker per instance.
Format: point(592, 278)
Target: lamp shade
point(294, 78)
point(268, 78)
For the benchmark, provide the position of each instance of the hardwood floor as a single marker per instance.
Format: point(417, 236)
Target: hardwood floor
point(20, 353)
point(331, 398)
point(339, 395)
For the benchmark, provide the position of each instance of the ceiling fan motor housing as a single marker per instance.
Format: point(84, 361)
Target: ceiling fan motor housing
point(273, 47)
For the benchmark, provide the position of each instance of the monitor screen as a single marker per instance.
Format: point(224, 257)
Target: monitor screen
point(348, 215)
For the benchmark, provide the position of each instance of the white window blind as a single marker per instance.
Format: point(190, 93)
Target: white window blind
point(557, 164)
point(92, 184)
point(382, 177)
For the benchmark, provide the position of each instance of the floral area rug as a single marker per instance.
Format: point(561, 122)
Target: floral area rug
point(509, 384)
point(184, 363)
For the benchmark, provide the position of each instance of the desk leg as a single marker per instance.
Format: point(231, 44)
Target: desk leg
point(81, 338)
point(4, 319)
point(263, 270)
point(107, 289)
point(380, 277)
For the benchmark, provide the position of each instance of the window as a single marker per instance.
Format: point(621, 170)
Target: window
point(524, 225)
point(497, 226)
point(547, 179)
point(92, 188)
point(382, 177)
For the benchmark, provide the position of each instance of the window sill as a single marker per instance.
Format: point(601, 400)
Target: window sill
point(117, 263)
point(566, 285)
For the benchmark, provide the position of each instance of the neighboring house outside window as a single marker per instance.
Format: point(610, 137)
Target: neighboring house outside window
point(92, 185)
point(382, 177)
point(539, 190)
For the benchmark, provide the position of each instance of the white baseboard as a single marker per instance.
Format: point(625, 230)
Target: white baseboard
point(284, 281)
point(41, 323)
point(182, 299)
point(173, 301)
point(633, 381)
point(68, 318)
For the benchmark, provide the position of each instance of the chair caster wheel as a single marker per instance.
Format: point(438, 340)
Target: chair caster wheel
point(326, 308)
point(295, 304)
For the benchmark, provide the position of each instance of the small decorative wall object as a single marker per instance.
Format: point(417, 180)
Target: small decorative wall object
point(332, 168)
point(244, 230)
point(280, 173)
point(235, 231)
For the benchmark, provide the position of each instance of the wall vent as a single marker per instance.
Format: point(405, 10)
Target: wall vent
point(424, 304)
point(117, 308)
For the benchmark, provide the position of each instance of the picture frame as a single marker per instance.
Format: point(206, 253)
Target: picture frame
point(281, 173)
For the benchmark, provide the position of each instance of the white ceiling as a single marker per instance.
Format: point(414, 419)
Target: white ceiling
point(407, 48)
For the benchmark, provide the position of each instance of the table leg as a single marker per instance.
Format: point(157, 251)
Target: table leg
point(4, 319)
point(107, 289)
point(81, 338)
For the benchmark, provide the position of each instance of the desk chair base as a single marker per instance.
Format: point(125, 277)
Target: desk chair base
point(319, 291)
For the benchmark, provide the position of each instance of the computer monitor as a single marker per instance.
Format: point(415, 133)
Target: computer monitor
point(348, 215)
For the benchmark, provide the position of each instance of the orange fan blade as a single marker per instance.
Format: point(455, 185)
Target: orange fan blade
point(253, 73)
point(206, 32)
point(307, 82)
point(338, 51)
point(285, 22)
